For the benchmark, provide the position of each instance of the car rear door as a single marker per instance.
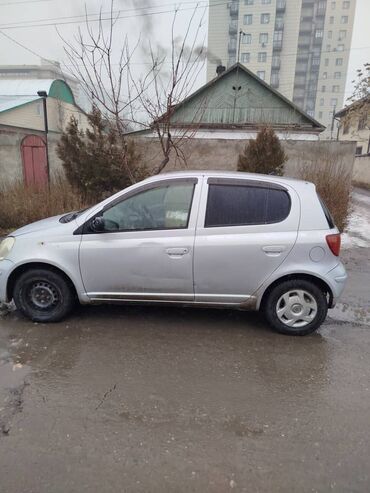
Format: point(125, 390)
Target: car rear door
point(147, 251)
point(246, 229)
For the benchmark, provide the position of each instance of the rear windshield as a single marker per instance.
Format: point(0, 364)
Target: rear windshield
point(328, 216)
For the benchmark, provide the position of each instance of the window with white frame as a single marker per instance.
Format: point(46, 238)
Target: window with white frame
point(265, 18)
point(248, 2)
point(264, 37)
point(333, 102)
point(262, 56)
point(346, 5)
point(319, 33)
point(337, 75)
point(326, 62)
point(330, 34)
point(266, 2)
point(325, 75)
point(331, 19)
point(342, 34)
point(333, 5)
point(246, 57)
point(322, 102)
point(247, 39)
point(335, 89)
point(323, 88)
point(339, 62)
point(261, 74)
point(248, 19)
point(344, 19)
point(340, 48)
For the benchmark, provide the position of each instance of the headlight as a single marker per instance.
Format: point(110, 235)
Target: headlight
point(5, 247)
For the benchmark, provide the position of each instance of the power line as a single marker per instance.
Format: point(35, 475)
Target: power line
point(23, 2)
point(114, 18)
point(97, 14)
point(22, 45)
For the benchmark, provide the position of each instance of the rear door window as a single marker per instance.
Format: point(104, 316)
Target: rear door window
point(241, 205)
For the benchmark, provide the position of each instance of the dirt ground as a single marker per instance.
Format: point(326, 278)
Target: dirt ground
point(151, 399)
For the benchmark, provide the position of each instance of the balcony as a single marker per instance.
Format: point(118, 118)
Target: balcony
point(321, 11)
point(275, 84)
point(276, 63)
point(231, 48)
point(301, 68)
point(305, 28)
point(277, 45)
point(233, 29)
point(317, 41)
point(234, 9)
point(279, 25)
point(280, 6)
point(304, 42)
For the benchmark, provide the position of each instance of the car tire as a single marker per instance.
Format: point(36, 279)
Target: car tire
point(296, 307)
point(43, 295)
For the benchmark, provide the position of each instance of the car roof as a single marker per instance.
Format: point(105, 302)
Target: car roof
point(294, 182)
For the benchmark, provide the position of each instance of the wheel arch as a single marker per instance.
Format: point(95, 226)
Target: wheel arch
point(320, 283)
point(35, 265)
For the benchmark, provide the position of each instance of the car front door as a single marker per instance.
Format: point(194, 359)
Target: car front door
point(145, 251)
point(246, 229)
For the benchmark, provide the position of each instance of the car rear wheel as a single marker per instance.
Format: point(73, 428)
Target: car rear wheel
point(43, 295)
point(296, 307)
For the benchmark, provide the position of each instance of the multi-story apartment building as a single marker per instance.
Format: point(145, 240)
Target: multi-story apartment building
point(300, 47)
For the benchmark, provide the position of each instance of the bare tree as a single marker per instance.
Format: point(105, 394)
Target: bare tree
point(356, 116)
point(186, 59)
point(104, 68)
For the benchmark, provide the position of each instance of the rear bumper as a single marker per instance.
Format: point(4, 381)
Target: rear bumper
point(336, 278)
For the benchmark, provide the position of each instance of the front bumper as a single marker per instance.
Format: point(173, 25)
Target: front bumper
point(6, 267)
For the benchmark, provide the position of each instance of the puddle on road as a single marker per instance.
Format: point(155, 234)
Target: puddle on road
point(344, 312)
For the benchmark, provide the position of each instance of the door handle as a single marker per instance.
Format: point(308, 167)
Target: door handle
point(177, 252)
point(273, 250)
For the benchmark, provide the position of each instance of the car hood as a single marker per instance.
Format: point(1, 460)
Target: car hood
point(48, 223)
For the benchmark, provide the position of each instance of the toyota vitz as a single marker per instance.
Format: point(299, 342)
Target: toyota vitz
point(233, 240)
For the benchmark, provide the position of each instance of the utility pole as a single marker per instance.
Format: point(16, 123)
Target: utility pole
point(44, 95)
point(241, 33)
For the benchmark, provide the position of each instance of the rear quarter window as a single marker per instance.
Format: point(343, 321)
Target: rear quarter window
point(241, 205)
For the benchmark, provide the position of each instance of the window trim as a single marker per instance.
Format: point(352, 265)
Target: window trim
point(245, 183)
point(85, 228)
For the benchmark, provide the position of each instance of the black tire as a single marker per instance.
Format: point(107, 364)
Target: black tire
point(274, 296)
point(43, 295)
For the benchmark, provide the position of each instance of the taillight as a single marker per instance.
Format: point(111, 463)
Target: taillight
point(333, 242)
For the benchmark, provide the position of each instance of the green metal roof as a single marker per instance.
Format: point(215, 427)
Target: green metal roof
point(238, 97)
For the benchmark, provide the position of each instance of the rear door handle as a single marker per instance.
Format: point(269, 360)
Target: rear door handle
point(273, 250)
point(177, 252)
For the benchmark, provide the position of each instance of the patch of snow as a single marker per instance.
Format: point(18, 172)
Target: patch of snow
point(357, 233)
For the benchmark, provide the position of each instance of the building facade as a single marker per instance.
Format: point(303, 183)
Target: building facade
point(27, 150)
point(354, 125)
point(300, 47)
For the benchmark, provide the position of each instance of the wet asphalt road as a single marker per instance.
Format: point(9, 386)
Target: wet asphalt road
point(174, 400)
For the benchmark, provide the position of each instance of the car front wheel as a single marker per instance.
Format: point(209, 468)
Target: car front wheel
point(43, 295)
point(296, 307)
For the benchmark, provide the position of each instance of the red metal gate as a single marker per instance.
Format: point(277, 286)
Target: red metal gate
point(34, 160)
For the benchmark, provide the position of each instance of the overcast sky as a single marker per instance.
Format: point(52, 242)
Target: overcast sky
point(21, 19)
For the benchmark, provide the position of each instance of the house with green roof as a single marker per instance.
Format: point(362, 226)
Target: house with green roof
point(23, 140)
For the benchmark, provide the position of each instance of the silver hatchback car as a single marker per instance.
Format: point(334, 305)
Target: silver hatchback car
point(233, 240)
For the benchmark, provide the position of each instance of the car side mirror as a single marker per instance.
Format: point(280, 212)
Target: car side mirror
point(97, 225)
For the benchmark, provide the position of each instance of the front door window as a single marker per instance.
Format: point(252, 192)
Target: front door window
point(162, 207)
